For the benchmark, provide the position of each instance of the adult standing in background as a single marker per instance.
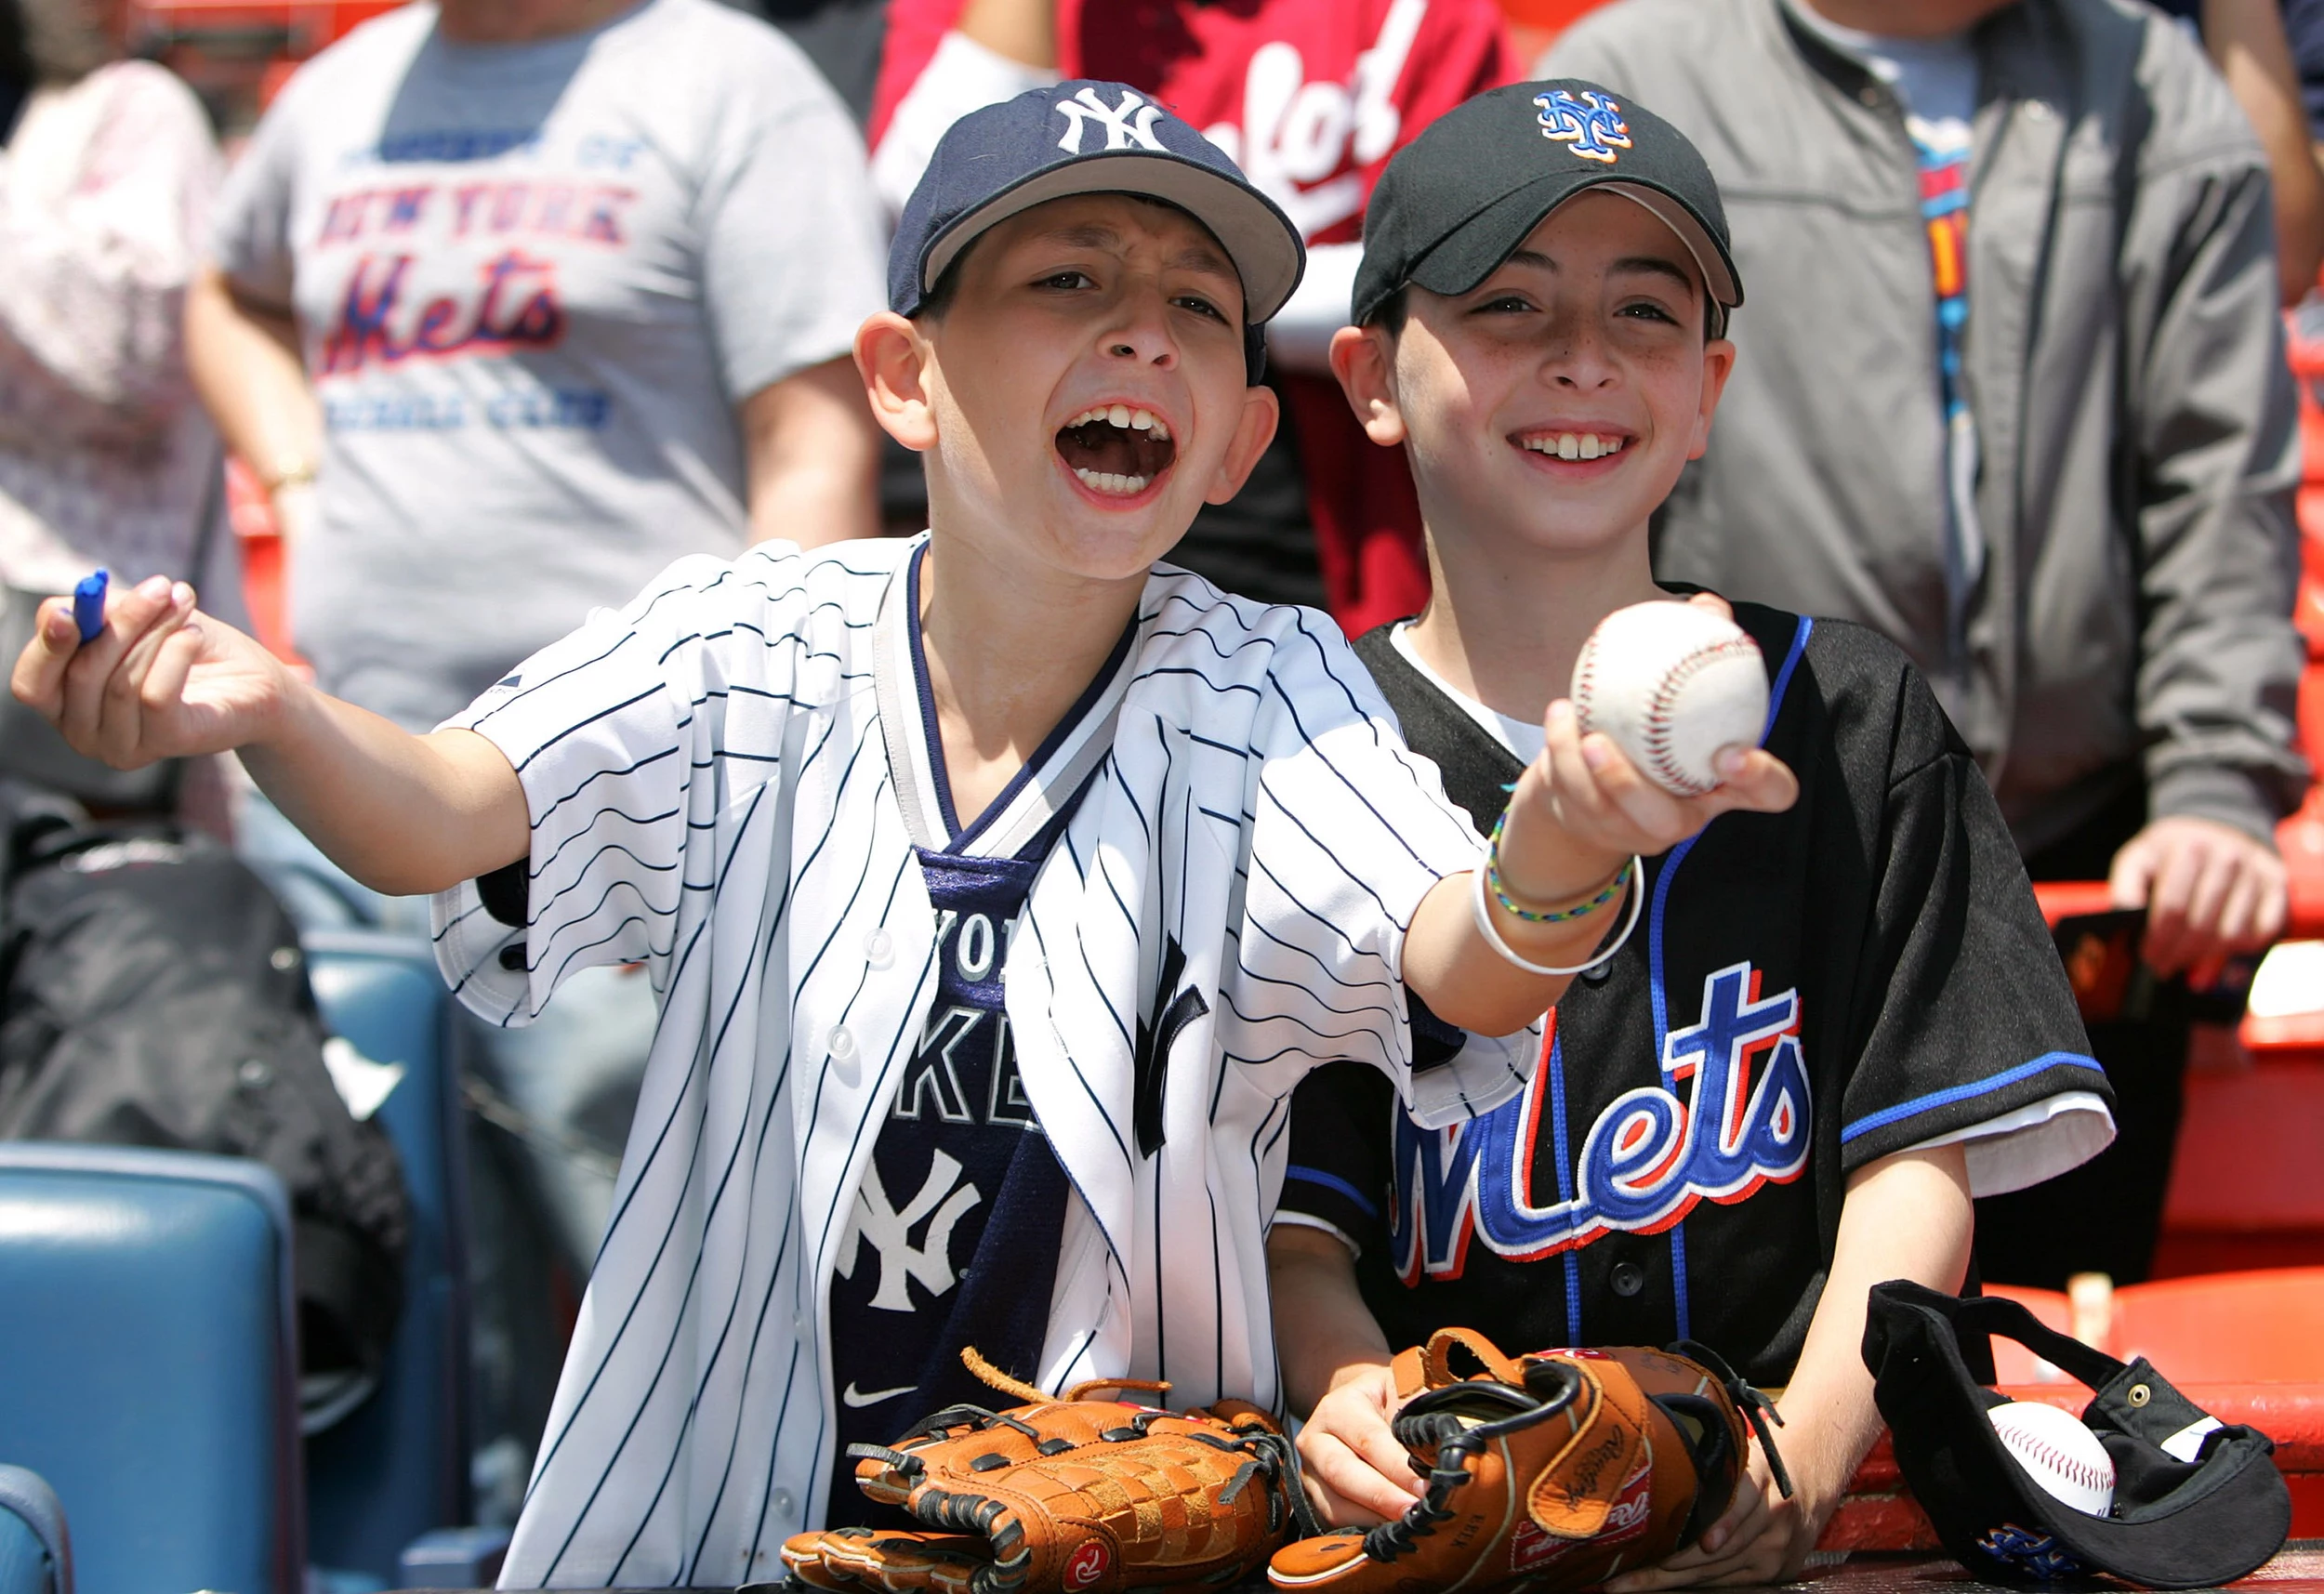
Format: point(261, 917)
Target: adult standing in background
point(515, 302)
point(107, 172)
point(1310, 97)
point(2252, 44)
point(2010, 388)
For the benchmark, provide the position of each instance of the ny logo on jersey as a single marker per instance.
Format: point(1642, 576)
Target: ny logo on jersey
point(1646, 1163)
point(1175, 1006)
point(1591, 126)
point(889, 1232)
point(1129, 124)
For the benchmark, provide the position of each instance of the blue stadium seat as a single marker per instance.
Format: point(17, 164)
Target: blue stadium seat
point(148, 1369)
point(35, 1551)
point(397, 1466)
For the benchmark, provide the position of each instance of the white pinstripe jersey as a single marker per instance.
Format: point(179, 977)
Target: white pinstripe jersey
point(714, 789)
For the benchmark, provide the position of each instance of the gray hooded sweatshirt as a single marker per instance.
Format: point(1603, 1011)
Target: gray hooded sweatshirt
point(2123, 362)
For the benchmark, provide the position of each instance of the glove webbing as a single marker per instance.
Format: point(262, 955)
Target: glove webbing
point(1456, 1441)
point(1270, 1458)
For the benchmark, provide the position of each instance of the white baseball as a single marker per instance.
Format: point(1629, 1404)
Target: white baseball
point(2058, 1451)
point(1672, 684)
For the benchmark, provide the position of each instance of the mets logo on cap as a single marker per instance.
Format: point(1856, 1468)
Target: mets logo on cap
point(1591, 126)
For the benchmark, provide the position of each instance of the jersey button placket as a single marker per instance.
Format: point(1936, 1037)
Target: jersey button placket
point(879, 951)
point(1628, 1279)
point(842, 1048)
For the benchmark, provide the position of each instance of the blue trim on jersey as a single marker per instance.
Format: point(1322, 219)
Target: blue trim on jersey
point(1657, 989)
point(1783, 676)
point(2002, 1080)
point(1555, 1063)
point(1332, 1182)
point(934, 738)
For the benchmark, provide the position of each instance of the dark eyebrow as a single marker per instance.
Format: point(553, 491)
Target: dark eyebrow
point(1197, 258)
point(1653, 263)
point(1098, 235)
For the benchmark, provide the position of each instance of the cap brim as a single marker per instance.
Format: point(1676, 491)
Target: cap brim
point(1259, 238)
point(1475, 249)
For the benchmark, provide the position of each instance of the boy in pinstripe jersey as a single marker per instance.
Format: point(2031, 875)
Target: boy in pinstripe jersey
point(1838, 1022)
point(998, 885)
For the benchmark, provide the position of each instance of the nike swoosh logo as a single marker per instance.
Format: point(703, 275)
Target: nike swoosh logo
point(855, 1397)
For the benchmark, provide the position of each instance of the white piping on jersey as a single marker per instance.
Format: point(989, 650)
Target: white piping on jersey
point(2004, 1155)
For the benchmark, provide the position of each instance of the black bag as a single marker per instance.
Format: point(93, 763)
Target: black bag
point(152, 994)
point(2196, 1502)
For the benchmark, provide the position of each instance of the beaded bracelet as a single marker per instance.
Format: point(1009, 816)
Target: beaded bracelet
point(1492, 934)
point(1535, 915)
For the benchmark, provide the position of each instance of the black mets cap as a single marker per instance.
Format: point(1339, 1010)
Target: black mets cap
point(1082, 136)
point(1458, 199)
point(2196, 1502)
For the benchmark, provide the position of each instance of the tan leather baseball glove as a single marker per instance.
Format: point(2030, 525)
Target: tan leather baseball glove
point(1075, 1495)
point(1556, 1470)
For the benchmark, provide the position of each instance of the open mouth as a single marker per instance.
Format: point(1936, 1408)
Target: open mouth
point(1116, 450)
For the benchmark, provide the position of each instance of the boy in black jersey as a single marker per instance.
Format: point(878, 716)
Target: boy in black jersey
point(1832, 1027)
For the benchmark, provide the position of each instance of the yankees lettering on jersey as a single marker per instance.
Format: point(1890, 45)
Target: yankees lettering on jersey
point(961, 1184)
point(1648, 1158)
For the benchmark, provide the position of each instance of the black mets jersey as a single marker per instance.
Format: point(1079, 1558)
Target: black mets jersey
point(1805, 993)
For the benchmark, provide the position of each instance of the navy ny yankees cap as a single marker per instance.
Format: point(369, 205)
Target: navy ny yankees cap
point(1458, 199)
point(2196, 1502)
point(1088, 138)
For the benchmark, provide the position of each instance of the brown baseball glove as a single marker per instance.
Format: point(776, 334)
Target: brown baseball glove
point(1067, 1496)
point(1556, 1470)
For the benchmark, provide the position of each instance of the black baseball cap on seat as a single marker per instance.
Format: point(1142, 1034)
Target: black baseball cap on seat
point(2196, 1503)
point(1461, 198)
point(1085, 136)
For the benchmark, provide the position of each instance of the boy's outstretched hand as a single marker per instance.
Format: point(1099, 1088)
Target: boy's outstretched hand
point(1578, 813)
point(1603, 805)
point(162, 680)
point(404, 814)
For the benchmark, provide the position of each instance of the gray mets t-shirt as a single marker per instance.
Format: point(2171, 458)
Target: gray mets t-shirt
point(533, 281)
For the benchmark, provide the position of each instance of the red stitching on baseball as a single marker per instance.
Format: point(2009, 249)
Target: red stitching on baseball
point(2075, 1468)
point(1659, 726)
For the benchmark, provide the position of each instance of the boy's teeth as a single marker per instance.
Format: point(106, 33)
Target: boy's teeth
point(1126, 416)
point(1574, 444)
point(1109, 482)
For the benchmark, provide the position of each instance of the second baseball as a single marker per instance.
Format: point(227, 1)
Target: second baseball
point(1671, 685)
point(2059, 1452)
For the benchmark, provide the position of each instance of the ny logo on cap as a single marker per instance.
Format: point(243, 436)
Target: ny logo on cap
point(1592, 126)
point(1127, 124)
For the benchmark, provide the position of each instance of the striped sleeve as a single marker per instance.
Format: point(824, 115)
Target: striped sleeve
point(1348, 831)
point(629, 737)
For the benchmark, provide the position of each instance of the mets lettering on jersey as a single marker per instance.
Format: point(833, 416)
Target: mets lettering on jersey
point(1647, 1160)
point(1591, 126)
